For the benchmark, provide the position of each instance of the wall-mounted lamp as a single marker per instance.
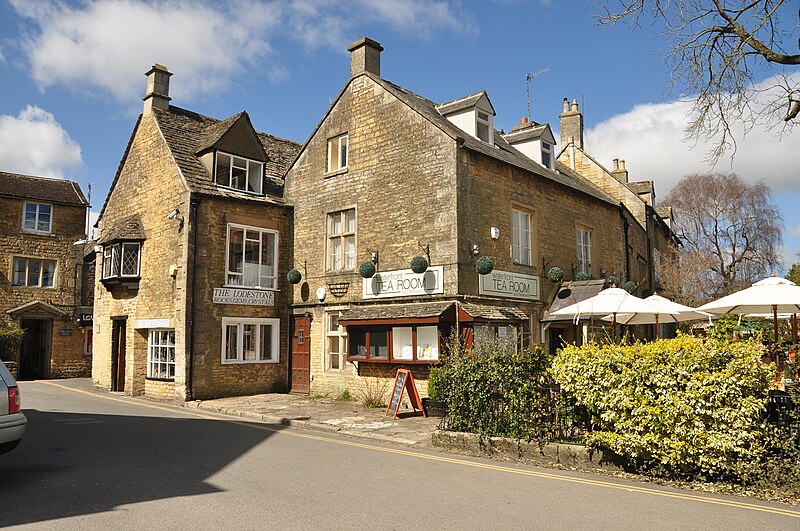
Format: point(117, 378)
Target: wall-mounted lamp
point(373, 256)
point(494, 232)
point(475, 250)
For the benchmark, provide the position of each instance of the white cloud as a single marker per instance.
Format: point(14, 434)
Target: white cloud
point(109, 44)
point(34, 143)
point(651, 140)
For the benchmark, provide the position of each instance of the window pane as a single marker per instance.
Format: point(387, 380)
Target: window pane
point(115, 259)
point(19, 271)
point(249, 342)
point(336, 254)
point(235, 250)
point(343, 152)
point(231, 342)
point(358, 343)
point(268, 254)
point(254, 177)
point(44, 218)
point(378, 344)
point(483, 132)
point(34, 267)
point(106, 262)
point(251, 267)
point(48, 273)
point(350, 220)
point(402, 349)
point(266, 342)
point(223, 169)
point(333, 322)
point(238, 178)
point(350, 252)
point(30, 216)
point(336, 224)
point(427, 343)
point(130, 259)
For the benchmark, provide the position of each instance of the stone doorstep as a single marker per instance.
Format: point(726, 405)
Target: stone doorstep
point(571, 455)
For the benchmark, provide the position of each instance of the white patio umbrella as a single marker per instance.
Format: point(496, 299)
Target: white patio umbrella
point(667, 312)
point(610, 301)
point(773, 294)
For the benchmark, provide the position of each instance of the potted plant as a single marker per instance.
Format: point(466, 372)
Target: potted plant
point(435, 404)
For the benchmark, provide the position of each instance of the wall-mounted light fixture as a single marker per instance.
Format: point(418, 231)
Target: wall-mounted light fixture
point(475, 250)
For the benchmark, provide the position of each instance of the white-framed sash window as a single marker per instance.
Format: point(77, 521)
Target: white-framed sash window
point(250, 340)
point(252, 259)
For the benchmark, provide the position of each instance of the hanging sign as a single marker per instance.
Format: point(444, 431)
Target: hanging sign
point(509, 285)
point(404, 283)
point(248, 297)
point(404, 381)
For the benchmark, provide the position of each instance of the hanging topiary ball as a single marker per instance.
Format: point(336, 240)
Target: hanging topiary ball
point(294, 276)
point(556, 274)
point(612, 281)
point(484, 265)
point(419, 265)
point(630, 286)
point(367, 269)
point(582, 276)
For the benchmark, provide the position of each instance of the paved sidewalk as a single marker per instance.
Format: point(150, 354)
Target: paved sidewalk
point(327, 414)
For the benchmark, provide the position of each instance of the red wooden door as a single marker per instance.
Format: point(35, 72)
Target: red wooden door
point(301, 354)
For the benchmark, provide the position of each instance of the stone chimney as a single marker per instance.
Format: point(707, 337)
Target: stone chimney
point(157, 95)
point(619, 172)
point(365, 56)
point(571, 124)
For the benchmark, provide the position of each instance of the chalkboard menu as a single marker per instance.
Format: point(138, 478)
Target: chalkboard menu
point(404, 381)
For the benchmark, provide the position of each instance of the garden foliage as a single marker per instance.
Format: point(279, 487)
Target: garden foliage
point(10, 339)
point(684, 407)
point(493, 391)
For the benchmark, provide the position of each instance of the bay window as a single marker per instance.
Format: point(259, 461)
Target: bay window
point(121, 260)
point(400, 344)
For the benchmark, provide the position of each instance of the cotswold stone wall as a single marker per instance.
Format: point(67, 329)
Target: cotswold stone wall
point(148, 185)
point(211, 377)
point(400, 180)
point(68, 222)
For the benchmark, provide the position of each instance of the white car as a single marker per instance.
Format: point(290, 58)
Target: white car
point(12, 420)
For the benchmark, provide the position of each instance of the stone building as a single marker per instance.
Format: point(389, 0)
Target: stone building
point(42, 272)
point(191, 294)
point(389, 179)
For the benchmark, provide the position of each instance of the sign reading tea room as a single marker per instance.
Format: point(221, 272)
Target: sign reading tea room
point(404, 283)
point(509, 285)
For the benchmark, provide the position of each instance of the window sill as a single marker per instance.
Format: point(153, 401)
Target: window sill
point(32, 287)
point(154, 379)
point(254, 288)
point(248, 362)
point(394, 361)
point(128, 282)
point(334, 173)
point(37, 232)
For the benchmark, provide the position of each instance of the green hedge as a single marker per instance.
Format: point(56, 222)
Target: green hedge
point(10, 339)
point(493, 391)
point(682, 407)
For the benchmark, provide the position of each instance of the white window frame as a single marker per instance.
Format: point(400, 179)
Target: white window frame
point(338, 148)
point(28, 261)
point(547, 151)
point(114, 269)
point(479, 120)
point(239, 322)
point(520, 254)
point(583, 238)
point(242, 163)
point(228, 273)
point(37, 215)
point(330, 263)
point(341, 334)
point(154, 343)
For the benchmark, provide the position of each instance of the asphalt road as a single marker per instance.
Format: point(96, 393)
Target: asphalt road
point(95, 460)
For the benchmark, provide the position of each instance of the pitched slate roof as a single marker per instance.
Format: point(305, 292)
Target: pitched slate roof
point(528, 131)
point(462, 103)
point(395, 311)
point(502, 150)
point(188, 133)
point(494, 313)
point(640, 187)
point(127, 228)
point(41, 189)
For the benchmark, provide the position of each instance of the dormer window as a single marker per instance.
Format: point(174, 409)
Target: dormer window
point(483, 124)
point(239, 173)
point(121, 260)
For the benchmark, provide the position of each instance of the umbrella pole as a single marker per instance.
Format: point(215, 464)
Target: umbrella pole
point(775, 321)
point(614, 328)
point(794, 328)
point(656, 327)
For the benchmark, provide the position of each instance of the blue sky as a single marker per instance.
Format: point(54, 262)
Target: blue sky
point(72, 78)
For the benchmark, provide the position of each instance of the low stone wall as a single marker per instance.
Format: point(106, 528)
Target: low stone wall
point(570, 455)
point(13, 368)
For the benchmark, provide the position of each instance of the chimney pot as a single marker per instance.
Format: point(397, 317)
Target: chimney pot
point(621, 164)
point(523, 120)
point(574, 105)
point(616, 164)
point(566, 104)
point(157, 92)
point(365, 56)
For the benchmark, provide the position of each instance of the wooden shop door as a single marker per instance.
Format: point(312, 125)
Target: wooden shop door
point(301, 354)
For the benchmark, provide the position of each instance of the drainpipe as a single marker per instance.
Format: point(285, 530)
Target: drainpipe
point(625, 228)
point(194, 204)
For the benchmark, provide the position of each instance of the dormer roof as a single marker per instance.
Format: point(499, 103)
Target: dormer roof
point(235, 135)
point(479, 99)
point(127, 228)
point(530, 131)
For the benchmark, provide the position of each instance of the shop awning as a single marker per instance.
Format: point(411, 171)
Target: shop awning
point(571, 293)
point(470, 311)
point(375, 314)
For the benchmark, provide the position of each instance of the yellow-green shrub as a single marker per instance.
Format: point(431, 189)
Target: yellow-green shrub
point(680, 406)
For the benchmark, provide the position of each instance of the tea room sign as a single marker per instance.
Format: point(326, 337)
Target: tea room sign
point(404, 283)
point(509, 285)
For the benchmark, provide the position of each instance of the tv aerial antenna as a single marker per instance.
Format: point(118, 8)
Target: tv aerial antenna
point(528, 78)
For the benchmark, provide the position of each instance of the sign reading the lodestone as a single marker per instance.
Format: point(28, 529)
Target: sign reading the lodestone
point(509, 285)
point(248, 297)
point(404, 283)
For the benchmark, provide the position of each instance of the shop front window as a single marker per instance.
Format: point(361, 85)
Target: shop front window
point(400, 344)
